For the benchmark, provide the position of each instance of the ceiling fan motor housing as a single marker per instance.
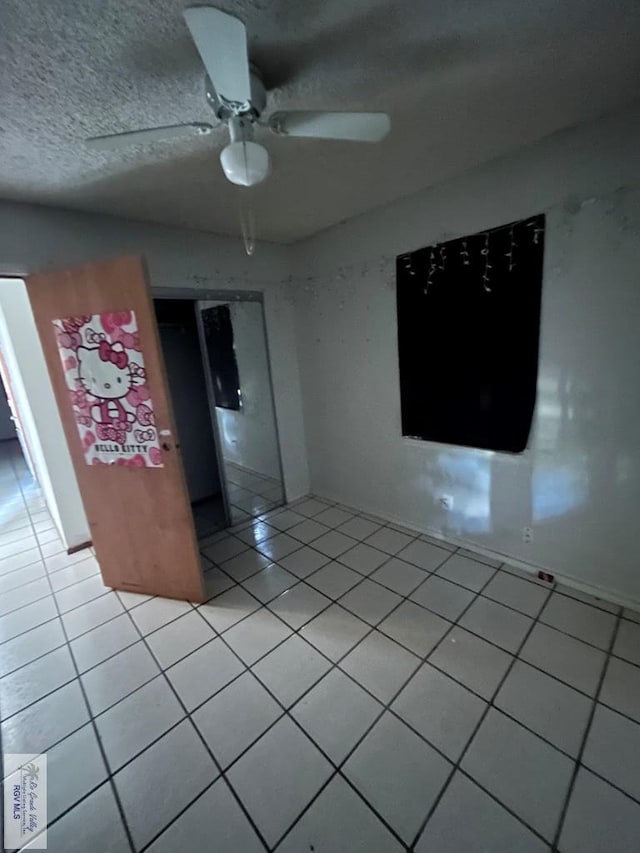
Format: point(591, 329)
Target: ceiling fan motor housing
point(226, 110)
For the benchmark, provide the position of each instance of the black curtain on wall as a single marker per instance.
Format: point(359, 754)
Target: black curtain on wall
point(468, 331)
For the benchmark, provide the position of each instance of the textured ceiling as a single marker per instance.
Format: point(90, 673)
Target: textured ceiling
point(463, 82)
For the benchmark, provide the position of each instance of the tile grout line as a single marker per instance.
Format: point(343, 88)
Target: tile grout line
point(530, 577)
point(434, 571)
point(217, 565)
point(408, 598)
point(333, 600)
point(114, 792)
point(44, 574)
point(16, 553)
point(489, 705)
point(516, 657)
point(287, 713)
point(334, 665)
point(578, 763)
point(202, 741)
point(375, 626)
point(2, 751)
point(125, 610)
point(386, 708)
point(329, 559)
point(111, 774)
point(428, 574)
point(53, 592)
point(467, 552)
point(86, 703)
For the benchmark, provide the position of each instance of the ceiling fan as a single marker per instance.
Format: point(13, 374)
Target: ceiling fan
point(237, 95)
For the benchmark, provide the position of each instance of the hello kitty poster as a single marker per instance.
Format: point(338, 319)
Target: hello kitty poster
point(105, 374)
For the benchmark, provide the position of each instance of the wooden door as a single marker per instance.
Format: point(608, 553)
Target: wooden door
point(98, 328)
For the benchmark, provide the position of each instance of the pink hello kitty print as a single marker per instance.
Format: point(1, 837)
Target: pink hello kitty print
point(104, 370)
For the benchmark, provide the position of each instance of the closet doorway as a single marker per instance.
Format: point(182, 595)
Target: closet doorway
point(217, 362)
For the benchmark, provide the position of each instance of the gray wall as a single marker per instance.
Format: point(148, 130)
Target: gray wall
point(578, 482)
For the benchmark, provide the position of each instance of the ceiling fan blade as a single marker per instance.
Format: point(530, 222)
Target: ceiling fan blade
point(151, 134)
point(357, 127)
point(221, 40)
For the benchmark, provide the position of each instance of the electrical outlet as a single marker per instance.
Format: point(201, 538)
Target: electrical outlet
point(446, 501)
point(527, 535)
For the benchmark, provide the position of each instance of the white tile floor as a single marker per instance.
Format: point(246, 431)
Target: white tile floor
point(250, 493)
point(370, 690)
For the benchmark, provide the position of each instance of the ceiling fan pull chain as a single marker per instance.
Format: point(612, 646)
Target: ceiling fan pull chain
point(247, 226)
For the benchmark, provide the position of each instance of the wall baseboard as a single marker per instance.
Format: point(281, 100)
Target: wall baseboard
point(75, 548)
point(530, 568)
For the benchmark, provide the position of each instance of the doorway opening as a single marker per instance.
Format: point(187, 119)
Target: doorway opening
point(7, 415)
point(180, 345)
point(217, 364)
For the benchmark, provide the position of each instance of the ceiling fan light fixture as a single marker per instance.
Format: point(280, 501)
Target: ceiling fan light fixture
point(245, 163)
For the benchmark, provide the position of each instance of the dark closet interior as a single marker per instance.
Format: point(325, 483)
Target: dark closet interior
point(180, 344)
